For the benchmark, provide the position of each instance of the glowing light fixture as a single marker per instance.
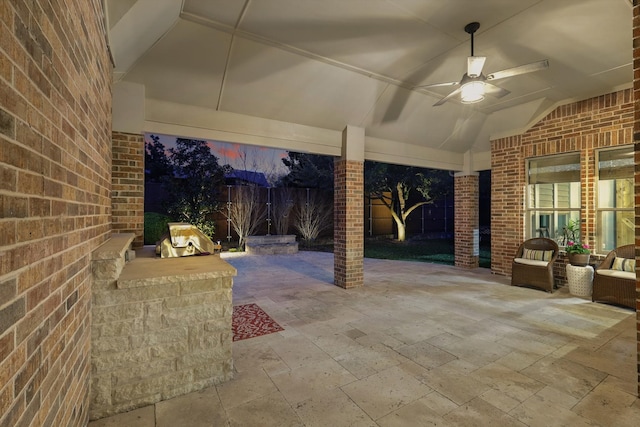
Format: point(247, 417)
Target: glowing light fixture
point(472, 92)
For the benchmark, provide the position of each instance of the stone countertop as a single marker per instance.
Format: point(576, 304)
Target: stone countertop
point(147, 269)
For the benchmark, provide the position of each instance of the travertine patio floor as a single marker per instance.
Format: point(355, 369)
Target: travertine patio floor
point(418, 345)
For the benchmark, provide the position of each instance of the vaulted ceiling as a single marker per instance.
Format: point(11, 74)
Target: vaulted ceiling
point(332, 63)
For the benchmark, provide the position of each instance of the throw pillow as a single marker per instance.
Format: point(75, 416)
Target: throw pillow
point(624, 264)
point(538, 255)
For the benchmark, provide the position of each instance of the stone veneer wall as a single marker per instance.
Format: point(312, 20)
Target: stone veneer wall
point(55, 207)
point(161, 327)
point(271, 244)
point(127, 193)
point(584, 126)
point(467, 195)
point(348, 223)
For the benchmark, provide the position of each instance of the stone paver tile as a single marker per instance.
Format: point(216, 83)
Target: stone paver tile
point(414, 332)
point(244, 387)
point(608, 405)
point(426, 355)
point(557, 397)
point(385, 391)
point(416, 413)
point(143, 417)
point(565, 375)
point(538, 412)
point(454, 385)
point(509, 382)
point(299, 351)
point(478, 412)
point(372, 338)
point(333, 408)
point(500, 400)
point(198, 409)
point(518, 360)
point(370, 360)
point(307, 381)
point(478, 352)
point(249, 356)
point(335, 344)
point(438, 403)
point(615, 357)
point(266, 411)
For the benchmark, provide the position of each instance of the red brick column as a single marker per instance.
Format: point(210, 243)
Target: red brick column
point(348, 218)
point(636, 140)
point(467, 238)
point(127, 181)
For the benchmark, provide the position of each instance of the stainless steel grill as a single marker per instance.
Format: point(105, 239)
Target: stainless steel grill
point(184, 239)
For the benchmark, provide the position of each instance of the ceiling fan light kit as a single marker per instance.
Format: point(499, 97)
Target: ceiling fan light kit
point(474, 85)
point(472, 92)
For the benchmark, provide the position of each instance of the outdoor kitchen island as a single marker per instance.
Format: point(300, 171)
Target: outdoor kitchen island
point(161, 327)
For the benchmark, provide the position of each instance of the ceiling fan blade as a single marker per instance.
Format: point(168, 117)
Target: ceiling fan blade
point(496, 91)
point(448, 97)
point(522, 69)
point(474, 65)
point(437, 85)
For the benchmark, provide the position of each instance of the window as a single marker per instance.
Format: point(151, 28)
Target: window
point(553, 195)
point(615, 204)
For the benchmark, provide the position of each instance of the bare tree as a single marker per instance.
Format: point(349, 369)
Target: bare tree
point(313, 215)
point(246, 212)
point(281, 211)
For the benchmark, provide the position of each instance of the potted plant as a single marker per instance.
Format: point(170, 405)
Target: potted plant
point(578, 253)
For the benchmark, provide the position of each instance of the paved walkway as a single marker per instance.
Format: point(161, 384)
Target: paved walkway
point(419, 345)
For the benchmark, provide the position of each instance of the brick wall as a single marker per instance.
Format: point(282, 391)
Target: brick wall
point(636, 140)
point(348, 223)
point(584, 127)
point(467, 196)
point(55, 208)
point(127, 199)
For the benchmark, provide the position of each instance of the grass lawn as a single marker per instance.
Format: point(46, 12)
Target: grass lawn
point(439, 251)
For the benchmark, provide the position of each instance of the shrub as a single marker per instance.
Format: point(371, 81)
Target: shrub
point(155, 225)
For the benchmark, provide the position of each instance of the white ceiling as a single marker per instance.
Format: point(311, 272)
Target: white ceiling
point(333, 63)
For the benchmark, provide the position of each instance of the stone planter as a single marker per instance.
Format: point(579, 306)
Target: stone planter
point(581, 260)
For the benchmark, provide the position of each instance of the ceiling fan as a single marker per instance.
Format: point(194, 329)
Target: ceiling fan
point(474, 85)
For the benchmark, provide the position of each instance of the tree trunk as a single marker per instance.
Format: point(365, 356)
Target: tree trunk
point(401, 231)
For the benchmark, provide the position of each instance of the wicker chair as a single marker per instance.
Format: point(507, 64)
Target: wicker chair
point(531, 272)
point(615, 286)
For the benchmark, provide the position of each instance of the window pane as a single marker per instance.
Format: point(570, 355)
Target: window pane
point(615, 228)
point(618, 163)
point(615, 193)
point(551, 224)
point(615, 198)
point(553, 169)
point(553, 195)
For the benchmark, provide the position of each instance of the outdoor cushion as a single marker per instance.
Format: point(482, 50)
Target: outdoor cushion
point(531, 261)
point(538, 255)
point(617, 274)
point(624, 264)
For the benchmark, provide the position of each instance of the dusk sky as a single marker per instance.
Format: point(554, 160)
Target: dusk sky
point(240, 156)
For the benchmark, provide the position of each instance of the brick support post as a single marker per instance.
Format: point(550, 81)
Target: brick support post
point(127, 200)
point(466, 194)
point(348, 234)
point(636, 143)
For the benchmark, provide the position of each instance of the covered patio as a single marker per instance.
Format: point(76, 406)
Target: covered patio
point(419, 344)
point(82, 82)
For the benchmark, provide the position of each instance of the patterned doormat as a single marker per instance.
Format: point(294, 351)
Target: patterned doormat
point(250, 321)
